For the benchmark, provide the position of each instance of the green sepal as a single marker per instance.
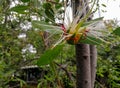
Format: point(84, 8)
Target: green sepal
point(43, 26)
point(91, 40)
point(92, 21)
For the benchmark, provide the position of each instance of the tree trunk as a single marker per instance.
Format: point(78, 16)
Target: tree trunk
point(83, 66)
point(93, 62)
point(86, 57)
point(83, 75)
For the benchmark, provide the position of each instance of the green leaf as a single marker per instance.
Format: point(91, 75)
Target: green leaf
point(103, 5)
point(91, 40)
point(58, 6)
point(57, 1)
point(25, 1)
point(49, 55)
point(117, 31)
point(49, 11)
point(20, 9)
point(46, 27)
point(92, 21)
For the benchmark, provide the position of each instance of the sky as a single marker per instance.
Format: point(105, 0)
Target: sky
point(112, 9)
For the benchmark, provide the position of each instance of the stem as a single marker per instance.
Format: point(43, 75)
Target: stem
point(55, 73)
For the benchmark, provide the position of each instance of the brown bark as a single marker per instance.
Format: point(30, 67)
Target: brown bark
point(83, 66)
point(93, 62)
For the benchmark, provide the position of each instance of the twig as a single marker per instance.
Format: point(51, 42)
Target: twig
point(66, 71)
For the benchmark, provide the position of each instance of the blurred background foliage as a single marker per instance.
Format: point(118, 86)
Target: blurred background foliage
point(21, 45)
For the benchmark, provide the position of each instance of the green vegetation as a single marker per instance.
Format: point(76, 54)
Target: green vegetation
point(28, 35)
